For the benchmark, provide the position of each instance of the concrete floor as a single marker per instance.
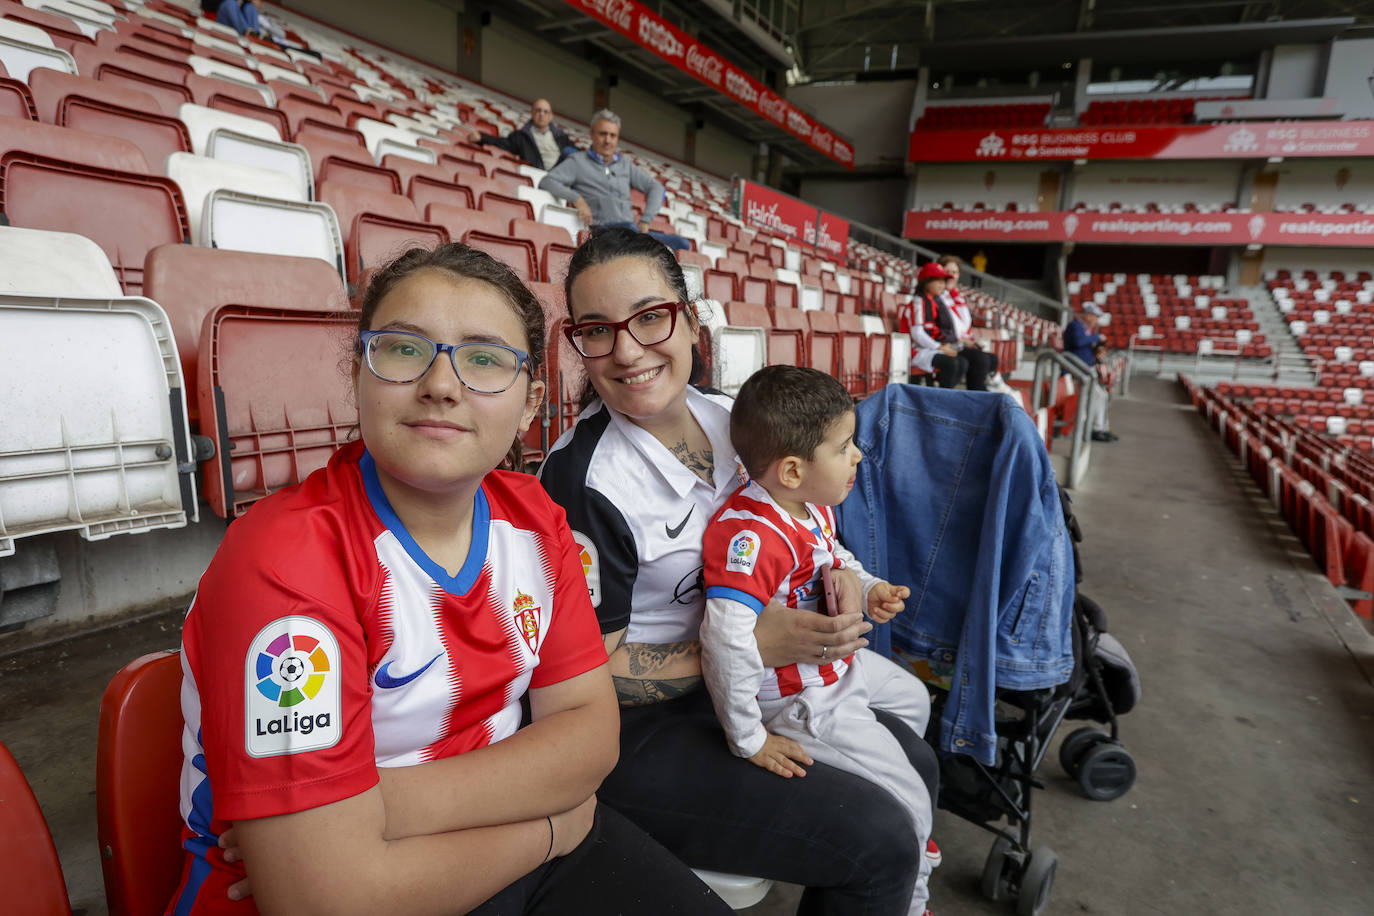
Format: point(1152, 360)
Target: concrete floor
point(1254, 740)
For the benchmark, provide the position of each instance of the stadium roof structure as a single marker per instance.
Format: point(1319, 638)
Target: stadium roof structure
point(846, 39)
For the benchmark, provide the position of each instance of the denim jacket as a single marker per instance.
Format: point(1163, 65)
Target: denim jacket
point(956, 499)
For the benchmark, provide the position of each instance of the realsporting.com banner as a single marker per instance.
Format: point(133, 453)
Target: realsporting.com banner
point(784, 215)
point(681, 50)
point(1347, 230)
point(1181, 141)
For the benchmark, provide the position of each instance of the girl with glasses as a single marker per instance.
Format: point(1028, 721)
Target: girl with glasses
point(358, 651)
point(647, 464)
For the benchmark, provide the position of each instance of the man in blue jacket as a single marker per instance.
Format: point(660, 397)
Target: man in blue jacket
point(1082, 340)
point(538, 141)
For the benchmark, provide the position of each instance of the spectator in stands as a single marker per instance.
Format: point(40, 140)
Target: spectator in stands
point(1082, 340)
point(934, 344)
point(979, 261)
point(981, 364)
point(539, 141)
point(324, 610)
point(598, 183)
point(239, 15)
point(648, 463)
point(775, 540)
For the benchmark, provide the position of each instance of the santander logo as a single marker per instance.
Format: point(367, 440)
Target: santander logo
point(705, 65)
point(657, 36)
point(619, 12)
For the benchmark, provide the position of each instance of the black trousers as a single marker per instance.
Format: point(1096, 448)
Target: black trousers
point(617, 871)
point(844, 838)
point(981, 364)
point(949, 370)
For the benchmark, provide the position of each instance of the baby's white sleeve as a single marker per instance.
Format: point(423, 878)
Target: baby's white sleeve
point(733, 671)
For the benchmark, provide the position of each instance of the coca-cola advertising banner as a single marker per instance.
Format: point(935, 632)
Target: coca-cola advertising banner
point(784, 215)
point(1182, 141)
point(678, 48)
point(1346, 230)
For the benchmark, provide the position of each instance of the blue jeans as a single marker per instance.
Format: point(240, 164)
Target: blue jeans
point(239, 18)
point(675, 242)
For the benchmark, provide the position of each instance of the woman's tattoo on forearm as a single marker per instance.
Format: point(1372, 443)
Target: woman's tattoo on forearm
point(635, 692)
point(646, 659)
point(701, 463)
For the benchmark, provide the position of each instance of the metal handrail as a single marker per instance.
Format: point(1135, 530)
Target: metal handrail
point(1080, 443)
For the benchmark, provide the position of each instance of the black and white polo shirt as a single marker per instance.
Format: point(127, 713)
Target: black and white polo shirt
point(639, 514)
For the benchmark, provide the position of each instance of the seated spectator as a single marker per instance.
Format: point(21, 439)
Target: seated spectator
point(774, 540)
point(981, 364)
point(598, 184)
point(539, 141)
point(931, 326)
point(1082, 340)
point(239, 15)
point(647, 464)
point(357, 651)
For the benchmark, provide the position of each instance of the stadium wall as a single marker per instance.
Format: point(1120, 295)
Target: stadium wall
point(995, 186)
point(512, 64)
point(879, 202)
point(1319, 259)
point(1324, 182)
point(1348, 74)
point(872, 115)
point(424, 30)
point(1135, 183)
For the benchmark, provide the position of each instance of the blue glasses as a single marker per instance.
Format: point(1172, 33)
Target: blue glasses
point(402, 357)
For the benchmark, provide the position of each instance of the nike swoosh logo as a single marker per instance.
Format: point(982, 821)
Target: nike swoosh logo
point(384, 679)
point(674, 532)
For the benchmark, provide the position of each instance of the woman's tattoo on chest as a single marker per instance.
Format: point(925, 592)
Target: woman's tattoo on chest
point(701, 463)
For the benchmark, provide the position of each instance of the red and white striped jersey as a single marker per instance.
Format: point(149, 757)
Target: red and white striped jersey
point(755, 552)
point(324, 643)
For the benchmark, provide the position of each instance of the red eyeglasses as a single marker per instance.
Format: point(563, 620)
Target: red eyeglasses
point(648, 326)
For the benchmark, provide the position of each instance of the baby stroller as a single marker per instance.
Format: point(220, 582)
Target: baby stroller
point(926, 434)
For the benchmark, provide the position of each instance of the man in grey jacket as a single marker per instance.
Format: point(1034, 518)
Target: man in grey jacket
point(598, 184)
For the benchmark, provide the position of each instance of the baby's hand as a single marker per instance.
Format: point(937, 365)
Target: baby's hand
point(782, 756)
point(886, 601)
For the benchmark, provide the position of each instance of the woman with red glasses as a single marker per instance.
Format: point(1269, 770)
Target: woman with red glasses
point(647, 464)
point(358, 651)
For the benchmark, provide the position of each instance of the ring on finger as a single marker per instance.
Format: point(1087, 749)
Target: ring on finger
point(825, 652)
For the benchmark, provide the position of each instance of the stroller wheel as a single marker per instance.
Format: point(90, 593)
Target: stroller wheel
point(996, 882)
point(1036, 882)
point(1106, 771)
point(1075, 745)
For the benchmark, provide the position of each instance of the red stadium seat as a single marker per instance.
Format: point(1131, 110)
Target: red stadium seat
point(282, 408)
point(822, 342)
point(189, 282)
point(720, 285)
point(97, 107)
point(137, 780)
point(15, 99)
point(425, 191)
point(785, 346)
point(65, 34)
point(349, 200)
point(854, 356)
point(554, 261)
point(376, 239)
point(787, 319)
point(519, 254)
point(460, 221)
point(30, 871)
point(297, 109)
point(407, 168)
point(540, 233)
point(509, 207)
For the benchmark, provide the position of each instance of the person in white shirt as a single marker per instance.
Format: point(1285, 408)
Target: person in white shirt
point(539, 141)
